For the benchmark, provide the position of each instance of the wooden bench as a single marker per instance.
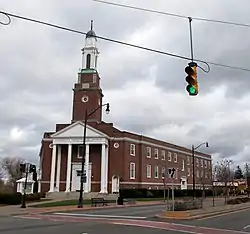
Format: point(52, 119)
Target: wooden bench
point(98, 200)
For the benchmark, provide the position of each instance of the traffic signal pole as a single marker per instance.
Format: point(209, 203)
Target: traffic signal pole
point(191, 38)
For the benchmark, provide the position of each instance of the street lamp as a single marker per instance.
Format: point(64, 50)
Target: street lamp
point(193, 151)
point(83, 175)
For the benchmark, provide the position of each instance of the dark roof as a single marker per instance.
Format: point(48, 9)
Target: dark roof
point(90, 34)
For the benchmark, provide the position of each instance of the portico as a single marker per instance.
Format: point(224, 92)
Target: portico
point(71, 137)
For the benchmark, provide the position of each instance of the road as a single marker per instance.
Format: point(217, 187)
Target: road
point(12, 225)
point(136, 212)
point(122, 220)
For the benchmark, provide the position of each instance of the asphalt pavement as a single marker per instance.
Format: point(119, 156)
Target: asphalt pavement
point(10, 225)
point(134, 212)
point(238, 221)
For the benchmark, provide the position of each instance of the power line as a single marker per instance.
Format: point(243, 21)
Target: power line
point(171, 14)
point(8, 15)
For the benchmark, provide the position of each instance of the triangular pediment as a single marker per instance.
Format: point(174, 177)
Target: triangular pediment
point(76, 130)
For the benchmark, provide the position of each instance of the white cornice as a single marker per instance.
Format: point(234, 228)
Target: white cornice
point(145, 143)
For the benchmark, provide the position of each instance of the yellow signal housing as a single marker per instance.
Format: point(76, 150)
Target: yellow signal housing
point(192, 87)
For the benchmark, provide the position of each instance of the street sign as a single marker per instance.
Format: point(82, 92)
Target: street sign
point(171, 172)
point(83, 178)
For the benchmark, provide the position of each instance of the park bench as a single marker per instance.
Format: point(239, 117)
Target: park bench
point(98, 200)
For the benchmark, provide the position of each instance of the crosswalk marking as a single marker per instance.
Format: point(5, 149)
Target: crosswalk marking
point(101, 216)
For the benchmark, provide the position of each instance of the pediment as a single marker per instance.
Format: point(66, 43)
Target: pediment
point(76, 130)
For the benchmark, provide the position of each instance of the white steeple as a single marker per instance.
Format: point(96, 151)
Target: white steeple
point(90, 51)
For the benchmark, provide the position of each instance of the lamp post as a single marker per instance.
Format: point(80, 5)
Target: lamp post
point(227, 177)
point(193, 152)
point(84, 175)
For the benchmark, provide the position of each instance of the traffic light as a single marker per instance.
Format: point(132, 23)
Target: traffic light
point(22, 167)
point(32, 168)
point(192, 86)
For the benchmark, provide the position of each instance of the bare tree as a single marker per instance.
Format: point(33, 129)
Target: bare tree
point(222, 171)
point(11, 166)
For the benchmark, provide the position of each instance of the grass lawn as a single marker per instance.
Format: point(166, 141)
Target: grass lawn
point(86, 202)
point(64, 203)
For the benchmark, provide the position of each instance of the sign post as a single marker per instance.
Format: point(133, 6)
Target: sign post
point(171, 172)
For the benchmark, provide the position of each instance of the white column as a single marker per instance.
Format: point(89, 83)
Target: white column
point(106, 169)
point(52, 169)
point(68, 168)
point(86, 185)
point(58, 169)
point(103, 169)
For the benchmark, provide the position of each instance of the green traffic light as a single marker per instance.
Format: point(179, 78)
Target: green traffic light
point(191, 90)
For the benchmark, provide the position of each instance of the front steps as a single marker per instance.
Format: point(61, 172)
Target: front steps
point(75, 195)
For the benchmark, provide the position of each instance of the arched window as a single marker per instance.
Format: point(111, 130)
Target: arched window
point(88, 61)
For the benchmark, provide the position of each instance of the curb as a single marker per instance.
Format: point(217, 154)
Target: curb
point(205, 215)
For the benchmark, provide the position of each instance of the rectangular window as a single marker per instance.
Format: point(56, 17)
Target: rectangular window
point(132, 171)
point(156, 153)
point(188, 160)
point(148, 152)
point(183, 165)
point(80, 151)
point(197, 174)
point(205, 163)
point(148, 171)
point(175, 157)
point(163, 155)
point(201, 174)
point(163, 172)
point(169, 156)
point(209, 164)
point(201, 162)
point(206, 175)
point(156, 172)
point(188, 172)
point(132, 149)
point(197, 162)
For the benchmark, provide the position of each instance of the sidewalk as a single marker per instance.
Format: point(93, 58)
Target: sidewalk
point(16, 210)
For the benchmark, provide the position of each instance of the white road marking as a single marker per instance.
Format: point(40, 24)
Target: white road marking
point(101, 216)
point(246, 227)
point(26, 217)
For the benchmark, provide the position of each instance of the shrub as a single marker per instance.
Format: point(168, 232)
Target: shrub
point(33, 197)
point(238, 200)
point(16, 198)
point(10, 198)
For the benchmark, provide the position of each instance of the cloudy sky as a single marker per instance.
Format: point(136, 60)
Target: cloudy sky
point(38, 66)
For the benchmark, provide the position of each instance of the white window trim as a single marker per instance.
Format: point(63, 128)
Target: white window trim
point(132, 164)
point(197, 162)
point(78, 151)
point(201, 162)
point(188, 172)
point(156, 153)
point(148, 150)
point(188, 160)
point(169, 156)
point(163, 170)
point(132, 148)
point(163, 155)
point(156, 177)
point(175, 157)
point(149, 169)
point(183, 165)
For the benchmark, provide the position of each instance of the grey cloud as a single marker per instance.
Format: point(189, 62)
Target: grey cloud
point(39, 66)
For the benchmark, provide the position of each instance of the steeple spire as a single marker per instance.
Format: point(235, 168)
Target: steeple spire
point(91, 25)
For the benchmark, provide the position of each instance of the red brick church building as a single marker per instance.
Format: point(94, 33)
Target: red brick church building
point(114, 158)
